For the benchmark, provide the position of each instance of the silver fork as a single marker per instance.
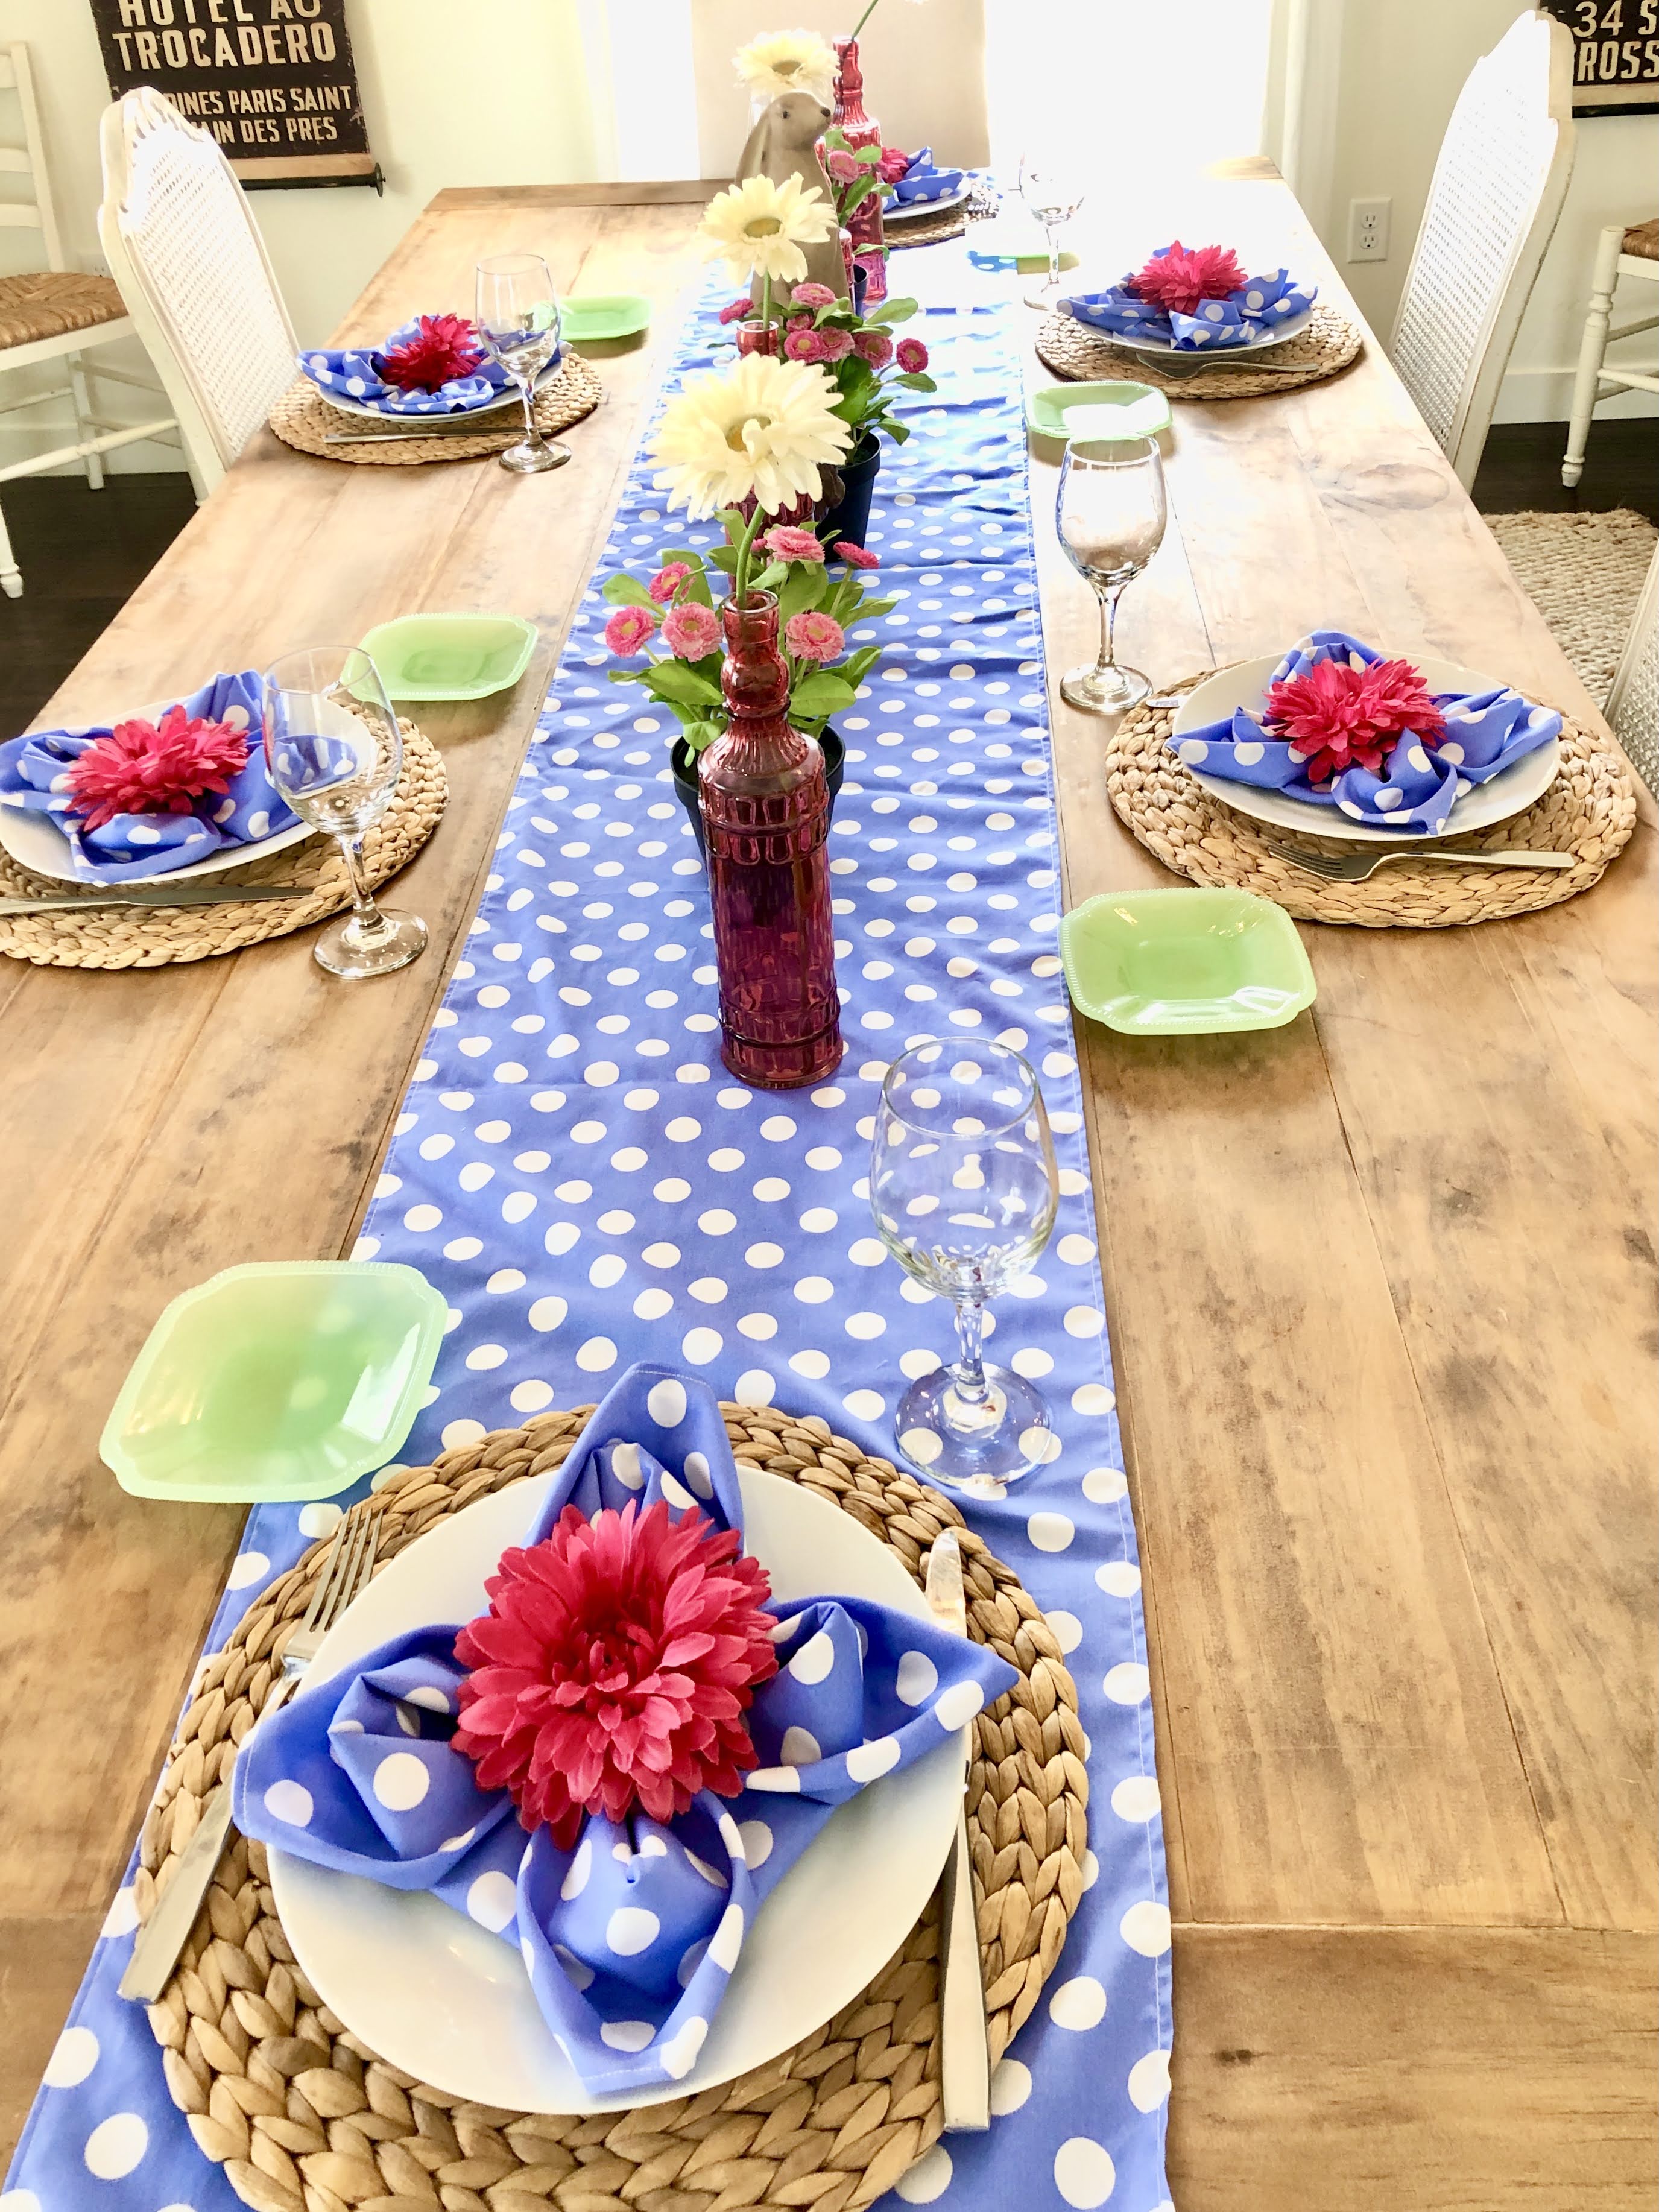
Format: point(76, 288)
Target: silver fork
point(1356, 867)
point(346, 1570)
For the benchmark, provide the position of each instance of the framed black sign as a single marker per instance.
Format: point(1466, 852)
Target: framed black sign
point(272, 80)
point(1615, 55)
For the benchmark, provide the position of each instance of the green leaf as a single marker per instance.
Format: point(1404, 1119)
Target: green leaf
point(823, 694)
point(804, 590)
point(857, 666)
point(873, 609)
point(671, 680)
point(870, 155)
point(725, 558)
point(917, 380)
point(774, 573)
point(699, 736)
point(892, 311)
point(856, 195)
point(625, 591)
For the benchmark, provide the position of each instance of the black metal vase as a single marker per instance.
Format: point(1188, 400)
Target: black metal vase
point(848, 519)
point(684, 762)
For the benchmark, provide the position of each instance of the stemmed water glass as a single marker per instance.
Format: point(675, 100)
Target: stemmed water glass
point(517, 319)
point(1110, 517)
point(1052, 189)
point(333, 751)
point(963, 1186)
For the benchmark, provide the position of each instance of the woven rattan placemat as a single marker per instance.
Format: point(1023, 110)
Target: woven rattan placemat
point(302, 418)
point(949, 222)
point(135, 937)
point(1328, 344)
point(304, 2117)
point(1590, 810)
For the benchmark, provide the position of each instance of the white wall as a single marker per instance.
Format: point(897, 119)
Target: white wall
point(1402, 62)
point(479, 94)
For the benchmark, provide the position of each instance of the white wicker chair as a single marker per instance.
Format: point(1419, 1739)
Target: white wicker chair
point(1633, 701)
point(182, 245)
point(1493, 205)
point(56, 314)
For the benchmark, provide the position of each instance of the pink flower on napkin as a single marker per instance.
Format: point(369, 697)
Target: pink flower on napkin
point(1342, 717)
point(149, 768)
point(444, 347)
point(1179, 279)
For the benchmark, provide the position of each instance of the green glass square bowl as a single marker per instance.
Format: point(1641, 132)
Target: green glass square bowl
point(1119, 409)
point(451, 656)
point(283, 1379)
point(1185, 963)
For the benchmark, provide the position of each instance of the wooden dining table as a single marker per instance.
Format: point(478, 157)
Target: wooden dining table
point(1380, 1284)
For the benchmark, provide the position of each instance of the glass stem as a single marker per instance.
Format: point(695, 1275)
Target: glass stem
point(527, 393)
point(365, 914)
point(1054, 257)
point(970, 1340)
point(1108, 600)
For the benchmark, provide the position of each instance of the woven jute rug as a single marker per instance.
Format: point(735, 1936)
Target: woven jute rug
point(1585, 573)
point(135, 937)
point(302, 418)
point(1590, 810)
point(305, 2118)
point(1326, 347)
point(949, 222)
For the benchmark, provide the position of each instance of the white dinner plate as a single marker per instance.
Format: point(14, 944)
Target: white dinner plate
point(1478, 807)
point(1155, 349)
point(509, 399)
point(34, 841)
point(452, 2004)
point(905, 211)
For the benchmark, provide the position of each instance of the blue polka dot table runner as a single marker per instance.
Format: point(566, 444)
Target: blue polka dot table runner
point(576, 1170)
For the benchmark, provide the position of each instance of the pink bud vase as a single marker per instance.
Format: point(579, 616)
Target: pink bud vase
point(766, 825)
point(869, 239)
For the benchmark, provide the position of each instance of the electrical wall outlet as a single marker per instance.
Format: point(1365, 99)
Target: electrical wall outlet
point(1368, 229)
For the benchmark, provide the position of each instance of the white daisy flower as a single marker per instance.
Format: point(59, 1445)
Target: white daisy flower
point(787, 61)
point(758, 429)
point(758, 227)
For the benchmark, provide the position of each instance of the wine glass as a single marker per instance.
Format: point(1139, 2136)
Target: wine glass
point(333, 751)
point(517, 319)
point(1052, 189)
point(1110, 516)
point(963, 1187)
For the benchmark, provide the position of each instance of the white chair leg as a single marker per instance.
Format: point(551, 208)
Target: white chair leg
point(1592, 352)
point(83, 427)
point(11, 576)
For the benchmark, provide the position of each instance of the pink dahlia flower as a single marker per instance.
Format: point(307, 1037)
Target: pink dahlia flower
point(912, 355)
point(691, 630)
point(443, 348)
point(813, 296)
point(1342, 717)
point(856, 556)
point(146, 768)
point(1178, 280)
point(614, 1667)
point(873, 346)
point(786, 543)
point(893, 165)
point(627, 629)
point(667, 581)
point(813, 636)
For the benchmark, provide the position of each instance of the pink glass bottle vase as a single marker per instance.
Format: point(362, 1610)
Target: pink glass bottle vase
point(766, 825)
point(869, 238)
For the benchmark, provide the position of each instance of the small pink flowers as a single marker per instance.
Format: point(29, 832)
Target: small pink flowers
point(856, 556)
point(842, 166)
point(786, 543)
point(912, 356)
point(691, 630)
point(814, 636)
point(627, 629)
point(813, 296)
point(873, 346)
point(667, 581)
point(805, 345)
point(736, 310)
point(836, 344)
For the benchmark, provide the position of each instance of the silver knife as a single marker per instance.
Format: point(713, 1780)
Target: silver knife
point(163, 1935)
point(964, 2046)
point(172, 895)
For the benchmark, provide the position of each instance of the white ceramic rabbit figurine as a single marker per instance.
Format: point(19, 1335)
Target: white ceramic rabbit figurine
point(784, 144)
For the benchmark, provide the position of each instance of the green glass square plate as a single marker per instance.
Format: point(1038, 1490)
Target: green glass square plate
point(1112, 410)
point(594, 315)
point(283, 1379)
point(451, 656)
point(1185, 963)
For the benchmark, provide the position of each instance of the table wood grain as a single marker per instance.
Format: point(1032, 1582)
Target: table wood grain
point(1380, 1284)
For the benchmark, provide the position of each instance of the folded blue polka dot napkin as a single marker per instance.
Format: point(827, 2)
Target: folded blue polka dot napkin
point(925, 181)
point(1485, 732)
point(356, 374)
point(1255, 311)
point(34, 777)
point(630, 1935)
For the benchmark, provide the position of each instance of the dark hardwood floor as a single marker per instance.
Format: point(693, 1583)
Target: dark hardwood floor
point(82, 553)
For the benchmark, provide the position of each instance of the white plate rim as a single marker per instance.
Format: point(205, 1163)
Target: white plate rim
point(1482, 807)
point(33, 840)
point(1158, 349)
point(932, 1783)
point(898, 210)
point(356, 407)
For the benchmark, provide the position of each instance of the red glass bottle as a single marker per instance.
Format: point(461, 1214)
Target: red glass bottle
point(765, 827)
point(869, 238)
